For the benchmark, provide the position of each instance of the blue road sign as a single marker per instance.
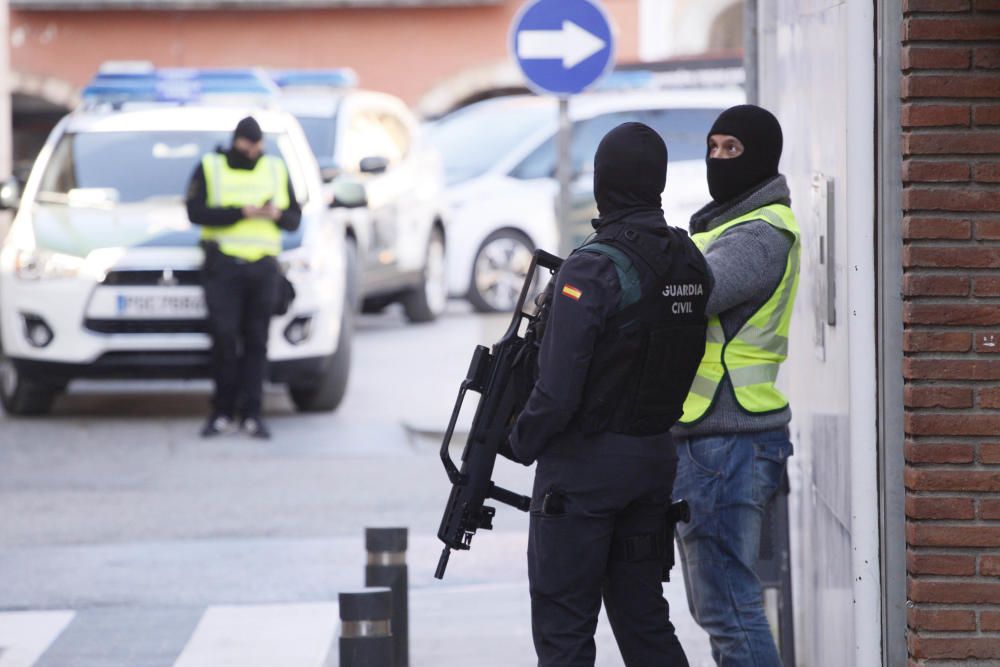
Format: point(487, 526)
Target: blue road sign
point(562, 46)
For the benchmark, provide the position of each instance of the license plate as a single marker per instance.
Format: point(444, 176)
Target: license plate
point(188, 306)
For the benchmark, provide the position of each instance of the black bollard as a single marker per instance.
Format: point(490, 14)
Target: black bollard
point(366, 628)
point(387, 567)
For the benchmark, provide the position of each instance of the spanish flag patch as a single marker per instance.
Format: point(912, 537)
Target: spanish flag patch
point(571, 292)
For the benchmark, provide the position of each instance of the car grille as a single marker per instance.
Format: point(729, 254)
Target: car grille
point(146, 326)
point(154, 277)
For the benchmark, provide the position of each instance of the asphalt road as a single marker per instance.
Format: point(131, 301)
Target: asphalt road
point(126, 540)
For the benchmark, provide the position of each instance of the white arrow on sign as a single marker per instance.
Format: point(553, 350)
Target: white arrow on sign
point(572, 44)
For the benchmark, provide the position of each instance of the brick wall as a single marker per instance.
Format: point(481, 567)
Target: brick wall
point(951, 256)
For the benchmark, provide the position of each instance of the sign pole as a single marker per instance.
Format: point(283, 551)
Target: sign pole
point(564, 174)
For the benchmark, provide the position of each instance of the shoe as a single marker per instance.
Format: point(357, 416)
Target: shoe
point(216, 425)
point(256, 428)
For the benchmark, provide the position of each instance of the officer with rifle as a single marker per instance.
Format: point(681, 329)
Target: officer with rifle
point(624, 335)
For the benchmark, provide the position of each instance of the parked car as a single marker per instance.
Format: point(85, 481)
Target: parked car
point(500, 160)
point(99, 273)
point(398, 240)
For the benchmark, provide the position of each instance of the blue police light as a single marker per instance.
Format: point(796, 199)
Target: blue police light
point(343, 77)
point(176, 84)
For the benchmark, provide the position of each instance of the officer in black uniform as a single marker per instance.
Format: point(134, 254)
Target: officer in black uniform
point(625, 334)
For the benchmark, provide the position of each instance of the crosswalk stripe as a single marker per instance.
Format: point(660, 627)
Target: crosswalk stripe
point(25, 635)
point(279, 635)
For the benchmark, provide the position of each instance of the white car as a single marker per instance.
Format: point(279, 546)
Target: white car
point(500, 160)
point(99, 275)
point(398, 240)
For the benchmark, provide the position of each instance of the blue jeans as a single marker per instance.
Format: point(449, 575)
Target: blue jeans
point(728, 480)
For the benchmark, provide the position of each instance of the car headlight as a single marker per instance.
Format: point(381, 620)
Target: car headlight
point(38, 264)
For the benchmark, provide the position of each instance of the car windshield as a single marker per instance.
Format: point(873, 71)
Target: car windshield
point(321, 134)
point(475, 138)
point(105, 168)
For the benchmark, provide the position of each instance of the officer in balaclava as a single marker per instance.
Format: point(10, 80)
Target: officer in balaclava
point(625, 333)
point(733, 439)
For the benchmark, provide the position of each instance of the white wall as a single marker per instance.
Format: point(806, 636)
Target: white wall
point(817, 75)
point(670, 28)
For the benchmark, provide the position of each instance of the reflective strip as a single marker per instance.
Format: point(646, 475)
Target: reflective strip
point(764, 339)
point(386, 558)
point(365, 629)
point(715, 332)
point(214, 197)
point(762, 374)
point(704, 387)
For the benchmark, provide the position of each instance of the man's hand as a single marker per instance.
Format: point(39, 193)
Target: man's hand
point(268, 211)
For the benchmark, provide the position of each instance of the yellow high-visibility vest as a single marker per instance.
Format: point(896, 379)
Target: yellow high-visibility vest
point(752, 357)
point(249, 238)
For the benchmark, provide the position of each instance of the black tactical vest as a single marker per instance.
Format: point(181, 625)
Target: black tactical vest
point(649, 352)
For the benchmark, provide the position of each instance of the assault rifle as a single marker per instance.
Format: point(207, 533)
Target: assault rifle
point(498, 376)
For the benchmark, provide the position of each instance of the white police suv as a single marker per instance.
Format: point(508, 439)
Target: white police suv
point(99, 275)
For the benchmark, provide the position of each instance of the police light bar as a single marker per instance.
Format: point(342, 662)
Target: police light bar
point(116, 85)
point(343, 77)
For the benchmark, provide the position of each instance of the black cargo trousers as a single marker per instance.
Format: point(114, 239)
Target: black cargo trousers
point(603, 494)
point(240, 297)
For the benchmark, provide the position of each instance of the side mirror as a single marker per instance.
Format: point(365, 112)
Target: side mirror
point(10, 194)
point(348, 194)
point(374, 165)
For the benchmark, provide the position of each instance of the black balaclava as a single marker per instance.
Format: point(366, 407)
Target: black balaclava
point(630, 169)
point(248, 128)
point(760, 133)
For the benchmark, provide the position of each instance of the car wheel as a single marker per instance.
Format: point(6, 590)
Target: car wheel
point(499, 270)
point(21, 396)
point(426, 302)
point(327, 394)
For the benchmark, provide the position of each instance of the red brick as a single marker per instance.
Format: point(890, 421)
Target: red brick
point(954, 648)
point(927, 171)
point(937, 453)
point(936, 341)
point(968, 142)
point(965, 257)
point(987, 230)
point(989, 398)
point(936, 115)
point(942, 565)
point(986, 286)
point(987, 58)
point(987, 173)
point(925, 479)
point(989, 509)
point(948, 424)
point(989, 621)
point(989, 566)
point(951, 369)
point(935, 6)
point(941, 620)
point(987, 343)
point(954, 592)
point(952, 199)
point(925, 57)
point(952, 535)
point(953, 29)
point(936, 508)
point(951, 85)
point(987, 114)
point(951, 314)
point(919, 227)
point(935, 285)
point(989, 453)
point(937, 397)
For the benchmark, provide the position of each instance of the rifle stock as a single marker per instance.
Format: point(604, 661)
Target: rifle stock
point(489, 375)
